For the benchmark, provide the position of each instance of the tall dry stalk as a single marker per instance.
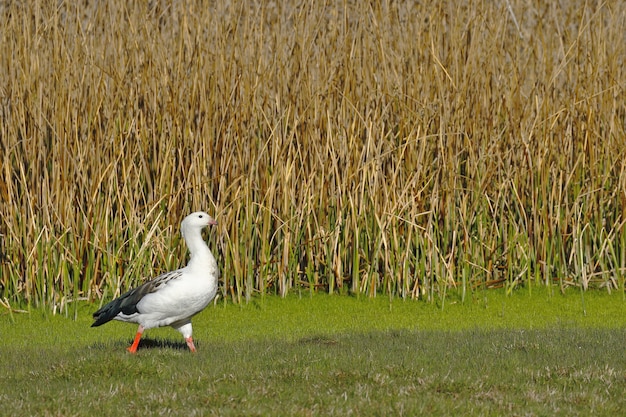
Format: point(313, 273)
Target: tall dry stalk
point(402, 148)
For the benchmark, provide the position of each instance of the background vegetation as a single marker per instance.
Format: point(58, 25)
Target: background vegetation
point(404, 148)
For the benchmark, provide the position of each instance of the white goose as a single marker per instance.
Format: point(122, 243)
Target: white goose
point(170, 299)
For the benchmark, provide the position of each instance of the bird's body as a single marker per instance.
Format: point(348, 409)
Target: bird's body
point(171, 299)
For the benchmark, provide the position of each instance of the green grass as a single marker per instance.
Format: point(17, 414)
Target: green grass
point(387, 152)
point(329, 355)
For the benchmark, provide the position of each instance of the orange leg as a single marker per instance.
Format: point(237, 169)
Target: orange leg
point(133, 347)
point(189, 341)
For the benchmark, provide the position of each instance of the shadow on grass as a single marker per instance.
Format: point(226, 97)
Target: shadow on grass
point(150, 343)
point(146, 343)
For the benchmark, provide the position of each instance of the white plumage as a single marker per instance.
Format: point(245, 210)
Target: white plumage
point(171, 299)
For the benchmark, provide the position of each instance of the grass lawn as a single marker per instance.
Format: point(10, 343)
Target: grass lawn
point(524, 354)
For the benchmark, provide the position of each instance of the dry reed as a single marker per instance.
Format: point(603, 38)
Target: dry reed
point(404, 148)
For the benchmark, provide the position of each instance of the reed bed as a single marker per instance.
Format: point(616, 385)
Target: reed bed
point(412, 149)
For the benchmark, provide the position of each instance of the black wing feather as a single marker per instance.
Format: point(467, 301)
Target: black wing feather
point(127, 302)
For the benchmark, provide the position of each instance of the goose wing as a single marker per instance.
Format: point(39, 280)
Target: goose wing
point(126, 303)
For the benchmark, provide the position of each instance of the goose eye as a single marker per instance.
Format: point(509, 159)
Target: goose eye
point(200, 215)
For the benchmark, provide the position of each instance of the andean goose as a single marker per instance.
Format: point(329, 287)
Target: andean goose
point(170, 299)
